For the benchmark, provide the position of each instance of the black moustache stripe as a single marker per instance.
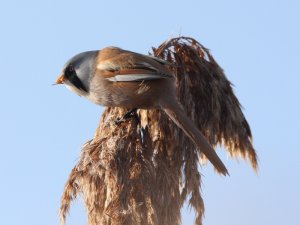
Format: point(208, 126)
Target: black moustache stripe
point(77, 83)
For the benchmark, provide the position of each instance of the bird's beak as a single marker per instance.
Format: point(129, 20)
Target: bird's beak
point(60, 79)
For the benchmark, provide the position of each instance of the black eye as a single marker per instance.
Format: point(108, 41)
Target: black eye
point(70, 71)
point(70, 74)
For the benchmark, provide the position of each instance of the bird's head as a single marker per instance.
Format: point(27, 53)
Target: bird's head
point(77, 72)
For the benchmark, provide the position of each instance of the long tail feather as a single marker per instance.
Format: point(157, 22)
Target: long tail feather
point(178, 116)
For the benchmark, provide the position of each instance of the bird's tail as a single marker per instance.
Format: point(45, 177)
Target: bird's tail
point(176, 113)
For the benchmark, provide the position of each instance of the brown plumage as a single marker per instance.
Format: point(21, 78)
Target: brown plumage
point(143, 170)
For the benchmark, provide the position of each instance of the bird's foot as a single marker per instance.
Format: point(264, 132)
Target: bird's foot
point(130, 114)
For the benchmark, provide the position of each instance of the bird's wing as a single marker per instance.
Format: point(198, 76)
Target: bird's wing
point(118, 65)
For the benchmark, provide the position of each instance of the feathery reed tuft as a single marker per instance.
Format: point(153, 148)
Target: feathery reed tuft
point(141, 171)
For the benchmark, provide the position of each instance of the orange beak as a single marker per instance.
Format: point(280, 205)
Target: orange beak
point(60, 79)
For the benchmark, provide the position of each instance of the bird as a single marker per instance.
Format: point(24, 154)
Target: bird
point(115, 77)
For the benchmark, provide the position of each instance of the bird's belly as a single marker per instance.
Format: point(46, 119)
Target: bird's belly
point(126, 95)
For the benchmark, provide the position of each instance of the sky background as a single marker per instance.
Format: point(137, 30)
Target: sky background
point(42, 127)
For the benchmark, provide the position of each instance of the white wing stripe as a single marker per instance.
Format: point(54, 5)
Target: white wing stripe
point(136, 77)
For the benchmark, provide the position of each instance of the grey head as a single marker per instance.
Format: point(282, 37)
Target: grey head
point(78, 70)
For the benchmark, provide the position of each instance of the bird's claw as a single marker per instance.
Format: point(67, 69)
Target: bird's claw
point(130, 114)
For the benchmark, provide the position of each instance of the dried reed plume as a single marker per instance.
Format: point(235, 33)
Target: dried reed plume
point(141, 171)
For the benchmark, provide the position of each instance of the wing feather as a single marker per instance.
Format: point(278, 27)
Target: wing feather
point(119, 65)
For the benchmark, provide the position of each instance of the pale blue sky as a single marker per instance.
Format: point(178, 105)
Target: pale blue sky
point(42, 127)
